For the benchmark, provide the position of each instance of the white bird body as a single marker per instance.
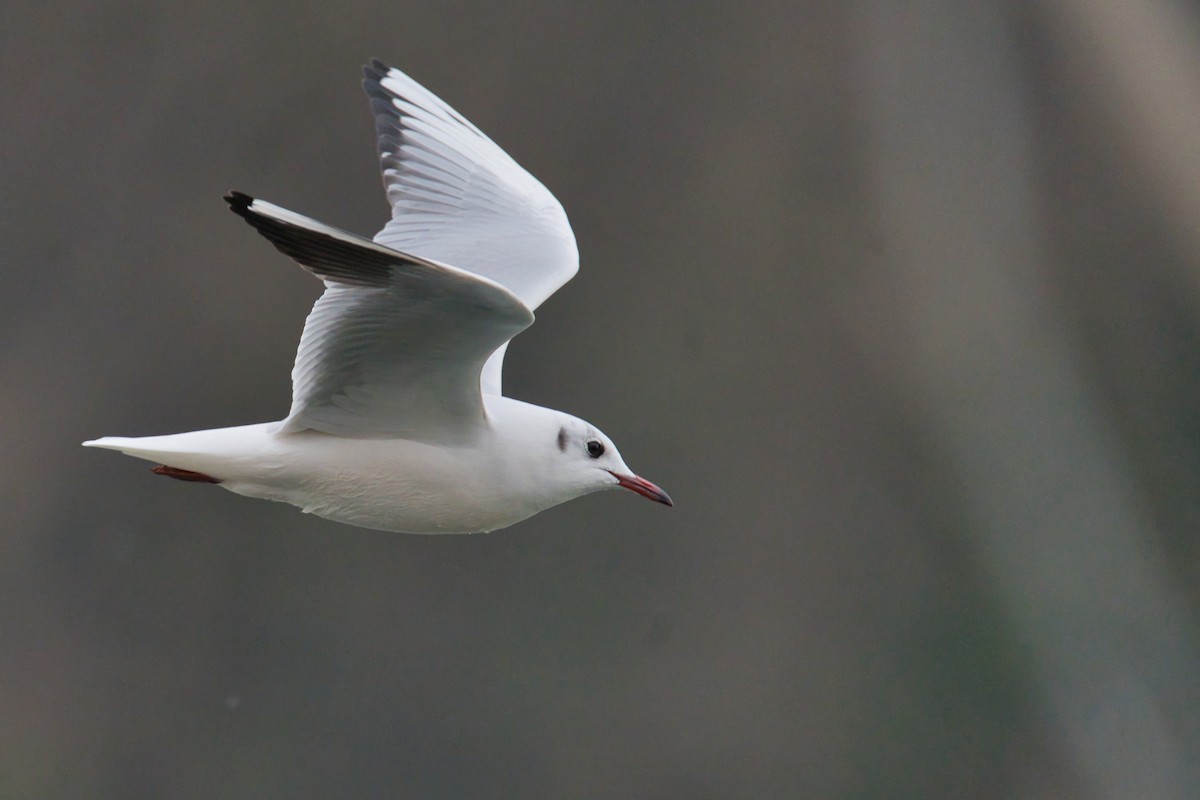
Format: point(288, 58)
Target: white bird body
point(397, 420)
point(477, 486)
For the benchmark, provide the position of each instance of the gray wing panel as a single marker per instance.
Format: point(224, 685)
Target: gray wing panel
point(396, 344)
point(459, 199)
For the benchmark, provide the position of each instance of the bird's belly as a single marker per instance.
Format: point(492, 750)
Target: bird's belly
point(412, 508)
point(407, 517)
point(390, 485)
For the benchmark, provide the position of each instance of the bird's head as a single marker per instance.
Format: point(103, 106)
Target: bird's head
point(589, 460)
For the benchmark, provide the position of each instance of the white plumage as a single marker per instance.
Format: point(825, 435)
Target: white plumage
point(397, 419)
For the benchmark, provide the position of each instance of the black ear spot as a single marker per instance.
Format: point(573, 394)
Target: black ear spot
point(562, 439)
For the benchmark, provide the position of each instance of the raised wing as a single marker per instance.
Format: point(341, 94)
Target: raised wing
point(395, 345)
point(457, 198)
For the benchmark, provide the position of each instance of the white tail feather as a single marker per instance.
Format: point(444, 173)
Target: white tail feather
point(213, 451)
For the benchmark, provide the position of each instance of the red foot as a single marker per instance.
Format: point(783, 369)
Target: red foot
point(184, 474)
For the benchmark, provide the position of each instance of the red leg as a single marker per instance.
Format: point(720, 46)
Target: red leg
point(184, 474)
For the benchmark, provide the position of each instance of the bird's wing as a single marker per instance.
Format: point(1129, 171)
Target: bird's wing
point(395, 345)
point(457, 198)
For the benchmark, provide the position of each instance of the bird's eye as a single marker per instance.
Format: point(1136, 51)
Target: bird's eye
point(595, 449)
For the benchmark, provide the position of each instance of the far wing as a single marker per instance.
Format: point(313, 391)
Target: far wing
point(395, 345)
point(459, 199)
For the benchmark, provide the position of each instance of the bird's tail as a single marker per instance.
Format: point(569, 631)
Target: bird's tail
point(203, 456)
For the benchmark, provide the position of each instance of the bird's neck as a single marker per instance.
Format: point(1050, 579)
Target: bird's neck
point(525, 445)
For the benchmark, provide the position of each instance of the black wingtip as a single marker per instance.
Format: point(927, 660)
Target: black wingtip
point(374, 71)
point(239, 203)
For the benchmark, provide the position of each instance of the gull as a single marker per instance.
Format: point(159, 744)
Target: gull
point(397, 421)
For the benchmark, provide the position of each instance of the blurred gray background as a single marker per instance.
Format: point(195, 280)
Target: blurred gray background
point(899, 301)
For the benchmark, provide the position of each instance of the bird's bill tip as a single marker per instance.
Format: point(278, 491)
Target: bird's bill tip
point(643, 487)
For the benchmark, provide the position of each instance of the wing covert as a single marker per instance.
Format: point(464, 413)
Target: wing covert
point(395, 345)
